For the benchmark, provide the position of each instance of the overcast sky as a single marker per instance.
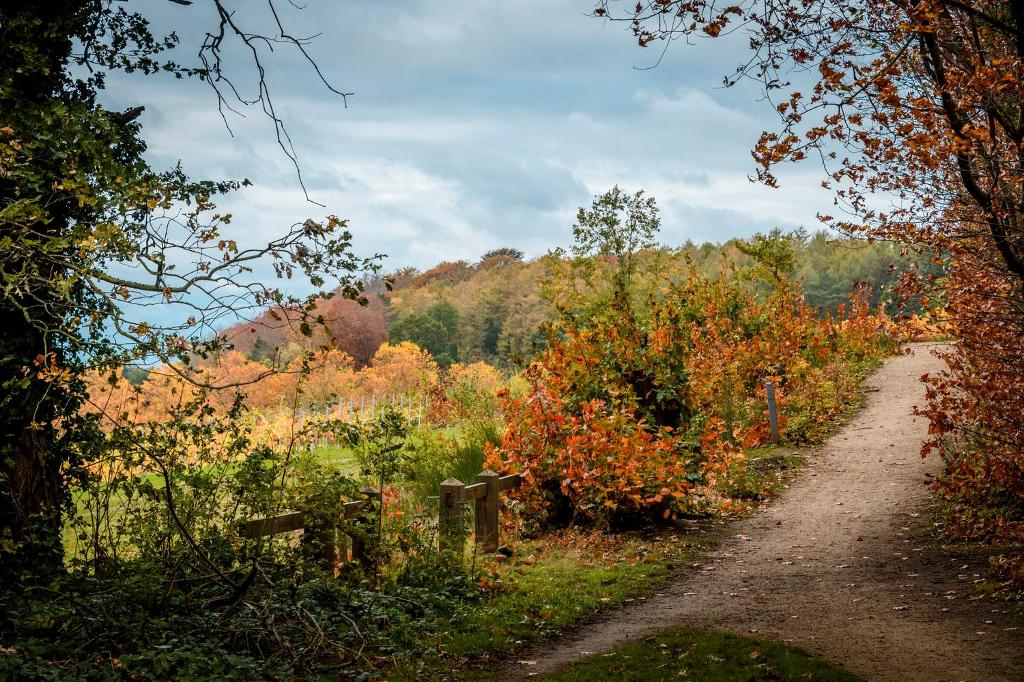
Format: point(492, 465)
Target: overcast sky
point(474, 125)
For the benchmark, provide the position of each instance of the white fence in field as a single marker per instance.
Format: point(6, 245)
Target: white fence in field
point(415, 408)
point(357, 410)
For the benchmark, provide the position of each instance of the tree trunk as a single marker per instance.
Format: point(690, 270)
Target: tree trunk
point(31, 480)
point(35, 45)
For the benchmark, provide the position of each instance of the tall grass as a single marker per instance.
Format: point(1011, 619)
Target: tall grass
point(440, 456)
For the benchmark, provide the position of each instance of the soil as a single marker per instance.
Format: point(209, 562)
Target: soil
point(842, 564)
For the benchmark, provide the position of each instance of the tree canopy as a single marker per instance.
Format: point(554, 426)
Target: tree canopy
point(917, 100)
point(95, 239)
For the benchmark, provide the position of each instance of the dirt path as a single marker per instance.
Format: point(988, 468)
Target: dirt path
point(839, 565)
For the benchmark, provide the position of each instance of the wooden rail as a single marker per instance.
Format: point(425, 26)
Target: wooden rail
point(330, 543)
point(484, 495)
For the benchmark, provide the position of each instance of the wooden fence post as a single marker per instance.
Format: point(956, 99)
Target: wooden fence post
point(327, 540)
point(318, 543)
point(773, 415)
point(342, 544)
point(485, 516)
point(359, 546)
point(450, 517)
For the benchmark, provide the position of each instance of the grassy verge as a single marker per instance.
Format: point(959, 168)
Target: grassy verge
point(701, 655)
point(565, 579)
point(551, 585)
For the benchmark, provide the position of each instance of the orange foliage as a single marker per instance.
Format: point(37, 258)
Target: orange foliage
point(479, 375)
point(277, 400)
point(976, 406)
point(466, 392)
point(599, 459)
point(398, 368)
point(630, 417)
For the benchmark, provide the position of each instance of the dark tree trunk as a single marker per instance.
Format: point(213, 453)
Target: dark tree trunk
point(31, 480)
point(35, 46)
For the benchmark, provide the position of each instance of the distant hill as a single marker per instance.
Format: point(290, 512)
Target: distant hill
point(493, 309)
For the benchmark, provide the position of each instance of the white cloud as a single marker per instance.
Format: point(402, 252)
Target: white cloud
point(477, 125)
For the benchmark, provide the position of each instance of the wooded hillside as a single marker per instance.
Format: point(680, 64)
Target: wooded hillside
point(493, 310)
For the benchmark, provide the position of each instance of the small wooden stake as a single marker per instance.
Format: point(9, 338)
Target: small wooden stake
point(359, 549)
point(773, 415)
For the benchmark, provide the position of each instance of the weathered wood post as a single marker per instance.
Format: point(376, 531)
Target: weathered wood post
point(359, 544)
point(318, 543)
point(773, 415)
point(485, 516)
point(341, 545)
point(450, 517)
point(360, 551)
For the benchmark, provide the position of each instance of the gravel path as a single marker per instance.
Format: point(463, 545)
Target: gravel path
point(839, 565)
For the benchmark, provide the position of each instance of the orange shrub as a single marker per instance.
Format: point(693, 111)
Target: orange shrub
point(601, 464)
point(976, 405)
point(636, 415)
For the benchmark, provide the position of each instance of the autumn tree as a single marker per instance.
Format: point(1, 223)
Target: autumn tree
point(95, 239)
point(924, 96)
point(617, 227)
point(434, 330)
point(609, 241)
point(445, 272)
point(773, 254)
point(399, 368)
point(916, 110)
point(356, 327)
point(500, 257)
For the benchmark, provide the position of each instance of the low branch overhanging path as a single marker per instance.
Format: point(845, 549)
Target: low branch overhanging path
point(839, 565)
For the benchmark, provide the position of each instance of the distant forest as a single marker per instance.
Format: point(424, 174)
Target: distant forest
point(494, 310)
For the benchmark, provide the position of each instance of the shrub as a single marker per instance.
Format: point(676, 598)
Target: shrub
point(636, 416)
point(601, 464)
